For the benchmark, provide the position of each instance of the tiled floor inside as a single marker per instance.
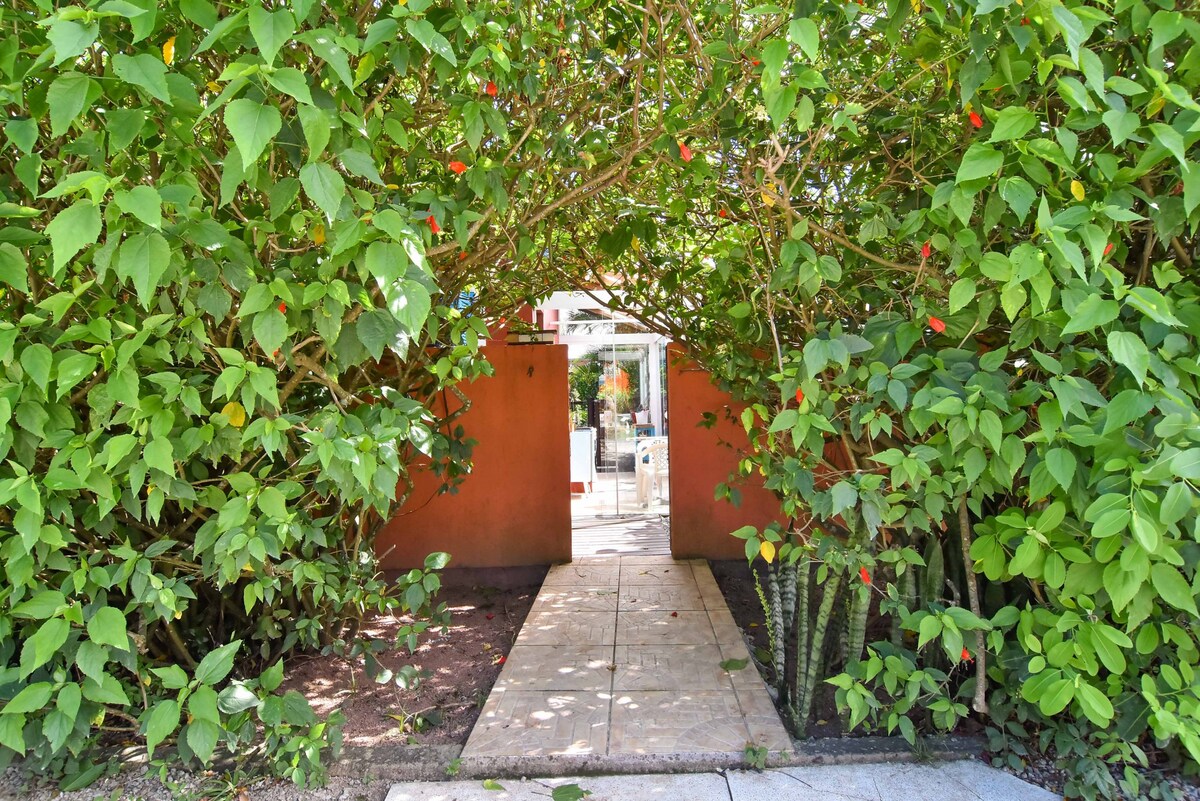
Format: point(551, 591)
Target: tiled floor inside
point(623, 655)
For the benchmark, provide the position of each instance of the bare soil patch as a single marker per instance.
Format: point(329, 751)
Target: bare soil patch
point(458, 667)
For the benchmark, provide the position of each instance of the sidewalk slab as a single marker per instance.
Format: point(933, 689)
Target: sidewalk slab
point(964, 780)
point(961, 780)
point(664, 787)
point(622, 656)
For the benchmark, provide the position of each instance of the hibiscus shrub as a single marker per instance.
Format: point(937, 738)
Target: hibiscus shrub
point(218, 332)
point(945, 255)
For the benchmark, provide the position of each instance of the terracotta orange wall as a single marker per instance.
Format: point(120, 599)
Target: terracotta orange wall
point(701, 459)
point(515, 507)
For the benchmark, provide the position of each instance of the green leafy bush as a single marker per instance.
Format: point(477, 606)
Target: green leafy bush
point(945, 254)
point(211, 384)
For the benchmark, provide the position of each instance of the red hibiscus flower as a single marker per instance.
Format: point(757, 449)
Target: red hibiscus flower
point(937, 325)
point(976, 120)
point(864, 575)
point(433, 226)
point(966, 655)
point(457, 167)
point(489, 89)
point(685, 152)
point(799, 396)
point(1108, 248)
point(926, 250)
point(722, 214)
point(283, 308)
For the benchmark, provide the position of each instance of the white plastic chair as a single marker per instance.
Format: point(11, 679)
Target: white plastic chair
point(653, 467)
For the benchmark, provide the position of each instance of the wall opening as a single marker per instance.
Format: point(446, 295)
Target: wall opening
point(619, 424)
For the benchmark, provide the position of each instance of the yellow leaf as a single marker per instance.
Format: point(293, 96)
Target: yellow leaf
point(916, 6)
point(1077, 190)
point(767, 199)
point(169, 50)
point(213, 86)
point(236, 414)
point(767, 550)
point(318, 234)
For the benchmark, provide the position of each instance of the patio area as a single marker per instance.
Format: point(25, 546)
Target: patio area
point(623, 655)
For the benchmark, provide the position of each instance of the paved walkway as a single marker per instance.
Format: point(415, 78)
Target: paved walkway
point(622, 655)
point(636, 535)
point(965, 780)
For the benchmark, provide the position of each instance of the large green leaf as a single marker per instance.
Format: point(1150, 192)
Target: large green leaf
point(980, 161)
point(71, 38)
point(424, 32)
point(1013, 123)
point(72, 230)
point(324, 187)
point(270, 29)
point(108, 627)
point(160, 722)
point(14, 270)
point(1130, 351)
point(146, 71)
point(67, 97)
point(144, 258)
point(1173, 587)
point(253, 127)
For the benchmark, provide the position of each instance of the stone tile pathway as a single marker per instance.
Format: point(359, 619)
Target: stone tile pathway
point(622, 655)
point(965, 780)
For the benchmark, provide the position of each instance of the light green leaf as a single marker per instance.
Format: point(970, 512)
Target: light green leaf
point(66, 97)
point(253, 126)
point(1095, 704)
point(1121, 124)
point(73, 369)
point(1094, 311)
point(1169, 138)
point(980, 161)
point(30, 699)
point(144, 258)
point(14, 270)
point(804, 32)
point(1061, 463)
point(410, 303)
point(71, 231)
point(202, 738)
point(1130, 351)
point(216, 664)
point(324, 187)
point(1173, 587)
point(159, 454)
point(361, 164)
point(424, 32)
point(108, 627)
point(1013, 123)
point(961, 294)
point(143, 202)
point(270, 330)
point(291, 82)
point(160, 722)
point(70, 39)
point(143, 70)
point(44, 644)
point(270, 29)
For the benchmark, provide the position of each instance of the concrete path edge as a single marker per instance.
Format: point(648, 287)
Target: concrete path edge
point(430, 763)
